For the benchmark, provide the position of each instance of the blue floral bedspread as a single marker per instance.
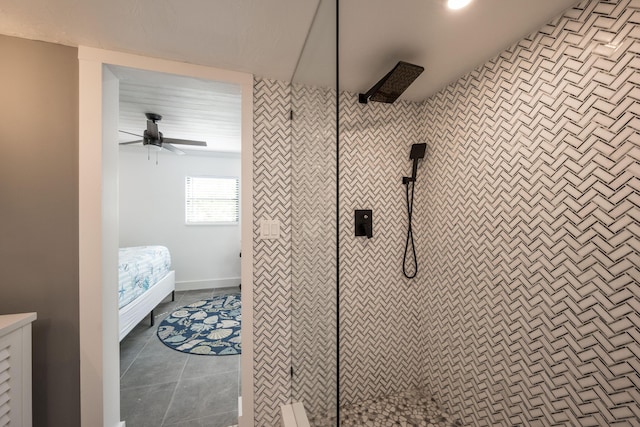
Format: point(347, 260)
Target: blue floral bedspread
point(140, 268)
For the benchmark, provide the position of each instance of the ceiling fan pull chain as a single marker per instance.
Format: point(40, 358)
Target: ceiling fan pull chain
point(156, 158)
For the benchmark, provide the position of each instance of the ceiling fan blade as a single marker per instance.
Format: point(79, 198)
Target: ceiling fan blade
point(131, 133)
point(184, 142)
point(172, 149)
point(152, 130)
point(130, 142)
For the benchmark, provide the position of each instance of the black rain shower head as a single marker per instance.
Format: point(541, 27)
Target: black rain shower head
point(391, 86)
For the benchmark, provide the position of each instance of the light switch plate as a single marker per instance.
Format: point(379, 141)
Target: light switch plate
point(270, 229)
point(275, 229)
point(265, 229)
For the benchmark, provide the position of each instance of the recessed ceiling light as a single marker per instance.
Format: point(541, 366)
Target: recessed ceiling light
point(457, 4)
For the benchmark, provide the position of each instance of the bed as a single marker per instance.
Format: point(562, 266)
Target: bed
point(145, 278)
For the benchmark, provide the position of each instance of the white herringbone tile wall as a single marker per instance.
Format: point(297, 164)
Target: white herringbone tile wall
point(381, 342)
point(526, 307)
point(295, 303)
point(532, 235)
point(271, 258)
point(313, 244)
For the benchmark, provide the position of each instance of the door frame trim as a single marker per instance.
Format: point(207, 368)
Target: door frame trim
point(99, 376)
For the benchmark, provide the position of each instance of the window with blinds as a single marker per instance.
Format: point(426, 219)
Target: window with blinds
point(212, 200)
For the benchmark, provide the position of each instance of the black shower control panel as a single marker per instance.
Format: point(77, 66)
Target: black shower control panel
point(364, 223)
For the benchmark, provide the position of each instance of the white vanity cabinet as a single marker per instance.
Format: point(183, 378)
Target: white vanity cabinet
point(15, 369)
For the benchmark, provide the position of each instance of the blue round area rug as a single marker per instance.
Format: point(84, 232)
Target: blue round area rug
point(209, 327)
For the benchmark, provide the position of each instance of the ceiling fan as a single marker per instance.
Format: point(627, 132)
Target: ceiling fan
point(152, 137)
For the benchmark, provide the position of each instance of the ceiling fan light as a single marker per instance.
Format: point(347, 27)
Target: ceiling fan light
point(457, 4)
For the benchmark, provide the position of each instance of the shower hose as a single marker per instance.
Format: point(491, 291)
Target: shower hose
point(409, 241)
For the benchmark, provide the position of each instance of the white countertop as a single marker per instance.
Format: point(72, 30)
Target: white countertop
point(11, 322)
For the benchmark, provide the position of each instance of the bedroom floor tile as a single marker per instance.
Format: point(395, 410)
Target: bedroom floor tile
point(163, 310)
point(125, 362)
point(148, 367)
point(203, 397)
point(224, 291)
point(156, 348)
point(199, 366)
point(225, 419)
point(132, 345)
point(152, 370)
point(156, 364)
point(142, 332)
point(194, 296)
point(128, 354)
point(146, 406)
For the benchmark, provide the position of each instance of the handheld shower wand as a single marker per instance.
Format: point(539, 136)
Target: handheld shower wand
point(417, 153)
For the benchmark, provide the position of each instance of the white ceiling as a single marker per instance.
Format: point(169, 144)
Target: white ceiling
point(280, 39)
point(192, 109)
point(376, 34)
point(256, 36)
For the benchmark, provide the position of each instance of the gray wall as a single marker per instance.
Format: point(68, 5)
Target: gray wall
point(532, 194)
point(39, 215)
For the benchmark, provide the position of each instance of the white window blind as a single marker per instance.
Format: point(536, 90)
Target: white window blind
point(211, 200)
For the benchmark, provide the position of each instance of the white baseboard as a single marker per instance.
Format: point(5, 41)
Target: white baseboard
point(122, 424)
point(194, 285)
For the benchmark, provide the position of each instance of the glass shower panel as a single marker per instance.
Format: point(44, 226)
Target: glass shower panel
point(314, 234)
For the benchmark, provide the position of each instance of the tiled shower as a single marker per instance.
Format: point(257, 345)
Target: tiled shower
point(526, 306)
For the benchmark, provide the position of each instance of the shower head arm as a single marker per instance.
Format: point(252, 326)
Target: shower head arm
point(363, 98)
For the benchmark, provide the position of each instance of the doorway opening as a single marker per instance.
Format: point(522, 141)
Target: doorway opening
point(100, 234)
point(179, 167)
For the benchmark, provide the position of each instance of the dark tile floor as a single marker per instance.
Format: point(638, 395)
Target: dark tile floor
point(160, 386)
